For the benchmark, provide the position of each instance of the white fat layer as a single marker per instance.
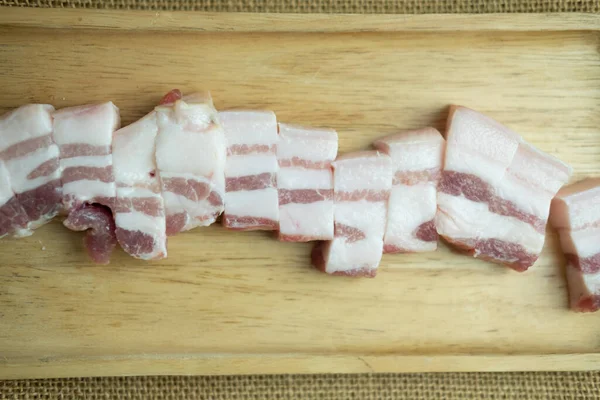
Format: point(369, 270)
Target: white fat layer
point(306, 143)
point(131, 192)
point(409, 207)
point(576, 210)
point(581, 285)
point(300, 178)
point(138, 221)
point(6, 192)
point(368, 216)
point(133, 152)
point(90, 124)
point(20, 167)
point(461, 218)
point(417, 156)
point(26, 122)
point(185, 145)
point(583, 243)
point(251, 164)
point(373, 172)
point(524, 196)
point(313, 220)
point(175, 204)
point(88, 189)
point(340, 255)
point(86, 161)
point(249, 127)
point(263, 203)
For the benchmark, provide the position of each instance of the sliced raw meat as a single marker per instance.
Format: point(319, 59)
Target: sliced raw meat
point(362, 184)
point(139, 209)
point(13, 218)
point(251, 199)
point(575, 213)
point(190, 156)
point(305, 183)
point(97, 220)
point(84, 137)
point(31, 159)
point(495, 191)
point(417, 158)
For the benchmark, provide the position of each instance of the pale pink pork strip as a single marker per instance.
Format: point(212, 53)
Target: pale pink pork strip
point(417, 158)
point(362, 184)
point(190, 156)
point(305, 182)
point(84, 137)
point(495, 191)
point(251, 198)
point(575, 213)
point(139, 210)
point(31, 159)
point(13, 218)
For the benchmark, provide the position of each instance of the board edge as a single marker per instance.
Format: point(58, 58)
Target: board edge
point(280, 22)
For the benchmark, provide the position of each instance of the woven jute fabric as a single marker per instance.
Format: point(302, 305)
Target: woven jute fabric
point(329, 6)
point(531, 385)
point(542, 386)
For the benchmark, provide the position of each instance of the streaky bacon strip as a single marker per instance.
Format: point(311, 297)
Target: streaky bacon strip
point(251, 200)
point(84, 137)
point(362, 183)
point(30, 160)
point(575, 213)
point(13, 218)
point(305, 182)
point(192, 186)
point(139, 213)
point(495, 188)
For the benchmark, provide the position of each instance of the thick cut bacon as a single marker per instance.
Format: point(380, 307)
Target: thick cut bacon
point(31, 160)
point(417, 162)
point(495, 191)
point(190, 156)
point(139, 210)
point(362, 184)
point(305, 183)
point(575, 213)
point(84, 137)
point(13, 218)
point(251, 199)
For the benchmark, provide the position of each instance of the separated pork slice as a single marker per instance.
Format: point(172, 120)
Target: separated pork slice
point(305, 182)
point(575, 213)
point(417, 162)
point(495, 191)
point(13, 218)
point(190, 156)
point(84, 137)
point(362, 184)
point(139, 210)
point(251, 198)
point(31, 159)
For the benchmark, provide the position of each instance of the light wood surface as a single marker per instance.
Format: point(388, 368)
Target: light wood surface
point(229, 303)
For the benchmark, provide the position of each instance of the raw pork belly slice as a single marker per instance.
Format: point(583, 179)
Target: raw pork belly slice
point(139, 209)
point(31, 159)
point(84, 137)
point(190, 156)
point(362, 184)
point(251, 199)
point(13, 218)
point(575, 213)
point(305, 183)
point(417, 162)
point(495, 191)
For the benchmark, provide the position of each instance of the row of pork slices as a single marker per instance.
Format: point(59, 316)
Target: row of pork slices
point(485, 190)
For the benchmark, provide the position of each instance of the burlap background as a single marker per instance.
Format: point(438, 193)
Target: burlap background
point(575, 385)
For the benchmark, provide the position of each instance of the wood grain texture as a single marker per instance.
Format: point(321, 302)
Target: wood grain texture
point(233, 302)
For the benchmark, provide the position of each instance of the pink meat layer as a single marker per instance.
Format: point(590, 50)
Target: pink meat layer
point(100, 239)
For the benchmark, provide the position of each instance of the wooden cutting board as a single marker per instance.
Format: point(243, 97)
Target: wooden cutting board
point(237, 303)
